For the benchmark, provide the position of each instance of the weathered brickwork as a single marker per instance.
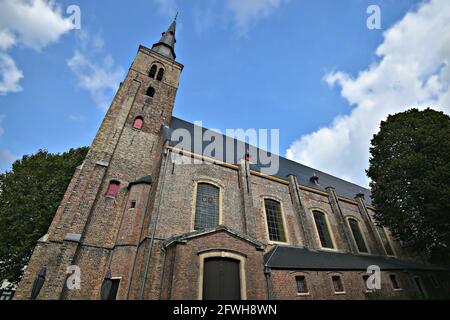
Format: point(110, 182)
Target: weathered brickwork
point(320, 286)
point(184, 265)
point(145, 234)
point(109, 230)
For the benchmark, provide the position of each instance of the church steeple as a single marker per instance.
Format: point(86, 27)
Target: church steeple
point(166, 45)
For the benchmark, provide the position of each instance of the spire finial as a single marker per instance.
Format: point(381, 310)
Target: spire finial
point(166, 45)
point(176, 16)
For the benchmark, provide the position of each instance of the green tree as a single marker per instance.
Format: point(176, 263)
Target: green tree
point(410, 172)
point(29, 197)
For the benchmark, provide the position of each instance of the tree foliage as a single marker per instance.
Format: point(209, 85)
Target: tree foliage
point(29, 197)
point(410, 172)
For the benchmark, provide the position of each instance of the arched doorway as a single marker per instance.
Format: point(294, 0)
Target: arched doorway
point(221, 279)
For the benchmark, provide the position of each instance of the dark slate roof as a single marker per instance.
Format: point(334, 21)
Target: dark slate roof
point(166, 45)
point(343, 188)
point(290, 258)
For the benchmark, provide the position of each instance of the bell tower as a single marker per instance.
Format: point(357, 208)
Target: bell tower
point(102, 222)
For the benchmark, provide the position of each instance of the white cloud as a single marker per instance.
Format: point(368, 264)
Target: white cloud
point(35, 23)
point(6, 157)
point(7, 40)
point(32, 23)
point(76, 118)
point(242, 12)
point(166, 7)
point(10, 75)
point(203, 18)
point(414, 71)
point(100, 79)
point(90, 42)
point(247, 11)
point(95, 71)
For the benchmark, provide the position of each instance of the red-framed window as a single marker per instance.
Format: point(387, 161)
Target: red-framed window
point(113, 189)
point(138, 123)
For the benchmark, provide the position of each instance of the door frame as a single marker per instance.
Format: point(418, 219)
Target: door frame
point(222, 254)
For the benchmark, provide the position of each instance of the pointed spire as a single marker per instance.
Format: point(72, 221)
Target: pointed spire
point(166, 45)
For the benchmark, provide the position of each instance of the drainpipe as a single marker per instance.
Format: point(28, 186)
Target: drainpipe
point(267, 275)
point(162, 274)
point(151, 239)
point(267, 272)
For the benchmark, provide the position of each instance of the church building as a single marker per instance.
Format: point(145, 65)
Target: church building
point(139, 222)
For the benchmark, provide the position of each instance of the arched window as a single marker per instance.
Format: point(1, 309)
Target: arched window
point(207, 206)
point(113, 189)
point(150, 92)
point(385, 240)
point(160, 75)
point(138, 123)
point(357, 235)
point(323, 230)
point(152, 72)
point(274, 220)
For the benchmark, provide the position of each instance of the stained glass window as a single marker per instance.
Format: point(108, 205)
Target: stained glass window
point(274, 220)
point(385, 240)
point(322, 229)
point(207, 206)
point(357, 235)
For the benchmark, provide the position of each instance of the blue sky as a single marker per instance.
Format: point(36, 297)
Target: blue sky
point(309, 68)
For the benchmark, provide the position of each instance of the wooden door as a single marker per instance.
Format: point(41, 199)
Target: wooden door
point(221, 279)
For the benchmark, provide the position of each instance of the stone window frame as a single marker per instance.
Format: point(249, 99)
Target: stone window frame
point(150, 92)
point(397, 280)
point(118, 288)
point(305, 274)
point(226, 254)
point(159, 65)
point(362, 275)
point(152, 70)
point(330, 230)
point(141, 118)
point(283, 219)
point(108, 186)
point(388, 237)
point(363, 235)
point(160, 74)
point(341, 276)
point(212, 182)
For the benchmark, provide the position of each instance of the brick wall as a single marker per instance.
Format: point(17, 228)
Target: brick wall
point(320, 285)
point(185, 261)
